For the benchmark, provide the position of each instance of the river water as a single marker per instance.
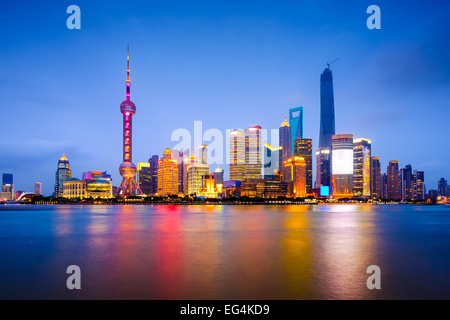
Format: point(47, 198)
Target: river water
point(225, 251)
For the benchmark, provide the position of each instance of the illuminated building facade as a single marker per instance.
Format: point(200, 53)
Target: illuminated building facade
point(203, 152)
point(253, 153)
point(38, 188)
point(323, 167)
point(88, 175)
point(127, 169)
point(251, 187)
point(272, 161)
point(361, 167)
point(237, 155)
point(419, 186)
point(392, 180)
point(326, 108)
point(96, 187)
point(194, 177)
point(303, 148)
point(295, 173)
point(285, 140)
point(167, 175)
point(62, 173)
point(18, 193)
point(210, 189)
point(296, 123)
point(182, 163)
point(442, 187)
point(144, 177)
point(375, 178)
point(342, 165)
point(383, 186)
point(7, 191)
point(218, 176)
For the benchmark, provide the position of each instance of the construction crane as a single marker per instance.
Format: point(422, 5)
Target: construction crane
point(330, 63)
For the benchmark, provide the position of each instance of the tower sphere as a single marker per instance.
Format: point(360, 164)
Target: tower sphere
point(127, 169)
point(128, 106)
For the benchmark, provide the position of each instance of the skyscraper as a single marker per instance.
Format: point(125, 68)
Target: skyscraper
point(38, 188)
point(237, 155)
point(392, 180)
point(203, 152)
point(127, 169)
point(253, 153)
point(218, 176)
point(182, 158)
point(7, 191)
point(327, 129)
point(195, 174)
point(442, 187)
point(285, 140)
point(154, 162)
point(167, 174)
point(272, 161)
point(419, 190)
point(295, 174)
point(323, 167)
point(342, 165)
point(361, 167)
point(303, 148)
point(144, 179)
point(296, 123)
point(406, 183)
point(375, 177)
point(62, 173)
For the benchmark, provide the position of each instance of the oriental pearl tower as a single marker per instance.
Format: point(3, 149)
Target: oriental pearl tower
point(127, 169)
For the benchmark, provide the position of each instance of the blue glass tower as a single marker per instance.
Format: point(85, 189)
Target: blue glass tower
point(296, 123)
point(327, 129)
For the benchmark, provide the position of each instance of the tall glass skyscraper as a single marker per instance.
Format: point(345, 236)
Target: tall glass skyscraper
point(327, 129)
point(272, 161)
point(62, 173)
point(285, 140)
point(237, 155)
point(361, 167)
point(253, 153)
point(296, 123)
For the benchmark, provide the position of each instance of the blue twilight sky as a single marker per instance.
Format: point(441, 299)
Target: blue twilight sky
point(229, 64)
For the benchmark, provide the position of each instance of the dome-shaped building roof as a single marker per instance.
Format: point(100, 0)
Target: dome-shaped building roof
point(285, 123)
point(167, 152)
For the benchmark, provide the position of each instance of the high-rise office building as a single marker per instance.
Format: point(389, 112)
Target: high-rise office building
point(419, 184)
point(167, 174)
point(406, 182)
point(361, 167)
point(272, 161)
point(296, 123)
point(127, 169)
point(38, 188)
point(183, 161)
point(253, 153)
point(7, 191)
point(237, 155)
point(342, 165)
point(218, 176)
point(203, 152)
point(323, 167)
point(62, 173)
point(383, 186)
point(285, 140)
point(194, 177)
point(392, 180)
point(442, 187)
point(295, 174)
point(303, 148)
point(144, 179)
point(375, 177)
point(154, 165)
point(327, 129)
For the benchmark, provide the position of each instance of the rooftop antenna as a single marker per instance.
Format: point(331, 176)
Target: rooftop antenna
point(330, 63)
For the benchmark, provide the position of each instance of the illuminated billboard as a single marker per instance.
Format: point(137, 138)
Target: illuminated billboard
point(342, 161)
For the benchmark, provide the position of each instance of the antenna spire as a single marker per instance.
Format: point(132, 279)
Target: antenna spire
point(128, 83)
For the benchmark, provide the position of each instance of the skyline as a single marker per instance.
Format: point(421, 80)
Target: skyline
point(85, 87)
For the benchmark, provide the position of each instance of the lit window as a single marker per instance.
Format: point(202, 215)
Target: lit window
point(127, 141)
point(127, 149)
point(127, 125)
